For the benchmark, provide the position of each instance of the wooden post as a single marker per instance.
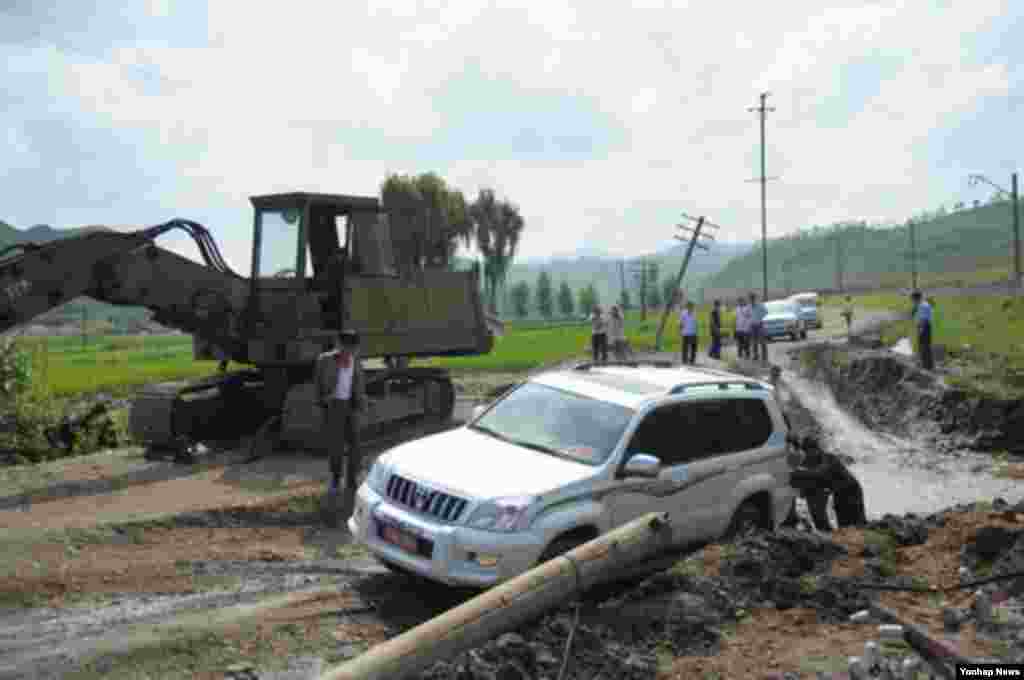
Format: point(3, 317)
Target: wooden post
point(510, 604)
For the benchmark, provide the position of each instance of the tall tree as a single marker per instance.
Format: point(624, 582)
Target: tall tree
point(544, 295)
point(521, 298)
point(401, 202)
point(654, 294)
point(588, 297)
point(498, 226)
point(624, 300)
point(565, 301)
point(427, 220)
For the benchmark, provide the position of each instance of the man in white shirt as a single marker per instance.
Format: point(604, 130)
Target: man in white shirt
point(340, 393)
point(743, 329)
point(688, 331)
point(922, 313)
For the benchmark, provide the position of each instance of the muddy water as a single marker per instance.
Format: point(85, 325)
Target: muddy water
point(899, 475)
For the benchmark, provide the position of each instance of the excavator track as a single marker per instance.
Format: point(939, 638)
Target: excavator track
point(172, 416)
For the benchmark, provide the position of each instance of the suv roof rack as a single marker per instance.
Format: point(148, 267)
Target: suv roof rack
point(587, 365)
point(722, 385)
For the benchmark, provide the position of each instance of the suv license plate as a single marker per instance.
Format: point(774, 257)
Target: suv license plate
point(396, 536)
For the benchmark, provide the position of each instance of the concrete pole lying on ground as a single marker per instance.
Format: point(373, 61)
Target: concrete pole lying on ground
point(510, 604)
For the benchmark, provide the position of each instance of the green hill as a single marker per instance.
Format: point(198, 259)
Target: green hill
point(950, 246)
point(605, 275)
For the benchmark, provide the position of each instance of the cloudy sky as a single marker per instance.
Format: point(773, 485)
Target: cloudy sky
point(602, 121)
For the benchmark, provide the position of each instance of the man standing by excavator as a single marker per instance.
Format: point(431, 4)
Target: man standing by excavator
point(340, 392)
point(822, 474)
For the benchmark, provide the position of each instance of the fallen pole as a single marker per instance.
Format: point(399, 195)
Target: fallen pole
point(510, 604)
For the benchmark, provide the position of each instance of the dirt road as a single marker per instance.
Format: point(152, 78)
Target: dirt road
point(123, 553)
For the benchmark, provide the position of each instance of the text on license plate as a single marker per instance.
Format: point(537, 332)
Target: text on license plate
point(396, 536)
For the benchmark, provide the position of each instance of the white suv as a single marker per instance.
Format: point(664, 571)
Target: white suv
point(571, 454)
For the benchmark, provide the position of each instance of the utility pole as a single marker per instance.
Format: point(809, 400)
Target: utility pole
point(839, 260)
point(974, 180)
point(762, 110)
point(694, 243)
point(1016, 234)
point(913, 253)
point(622, 281)
point(640, 271)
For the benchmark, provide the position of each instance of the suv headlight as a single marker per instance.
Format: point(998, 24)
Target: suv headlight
point(502, 514)
point(377, 479)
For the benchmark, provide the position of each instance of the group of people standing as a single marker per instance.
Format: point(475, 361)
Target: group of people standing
point(608, 329)
point(749, 330)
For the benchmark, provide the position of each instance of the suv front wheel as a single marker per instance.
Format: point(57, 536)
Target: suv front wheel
point(748, 519)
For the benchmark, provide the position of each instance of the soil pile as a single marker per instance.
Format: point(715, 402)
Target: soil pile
point(891, 393)
point(671, 614)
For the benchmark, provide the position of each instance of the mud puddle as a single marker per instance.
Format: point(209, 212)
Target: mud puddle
point(900, 475)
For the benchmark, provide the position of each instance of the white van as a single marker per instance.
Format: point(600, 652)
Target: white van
point(807, 309)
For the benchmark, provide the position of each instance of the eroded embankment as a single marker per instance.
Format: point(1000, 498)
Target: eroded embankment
point(889, 393)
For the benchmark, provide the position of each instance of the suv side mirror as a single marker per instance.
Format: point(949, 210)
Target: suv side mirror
point(478, 410)
point(642, 465)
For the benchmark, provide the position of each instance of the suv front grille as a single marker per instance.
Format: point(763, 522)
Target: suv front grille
point(426, 500)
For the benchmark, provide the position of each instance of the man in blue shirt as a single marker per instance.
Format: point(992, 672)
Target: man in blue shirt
point(922, 313)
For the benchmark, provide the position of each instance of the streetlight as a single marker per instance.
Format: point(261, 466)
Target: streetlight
point(975, 180)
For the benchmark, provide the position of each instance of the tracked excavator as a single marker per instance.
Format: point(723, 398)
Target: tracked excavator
point(321, 263)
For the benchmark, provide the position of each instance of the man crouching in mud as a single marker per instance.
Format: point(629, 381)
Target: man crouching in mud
point(819, 475)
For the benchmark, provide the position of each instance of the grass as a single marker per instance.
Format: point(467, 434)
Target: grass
point(886, 546)
point(982, 337)
point(67, 366)
point(531, 346)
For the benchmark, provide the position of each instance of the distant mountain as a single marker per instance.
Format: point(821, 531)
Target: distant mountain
point(605, 272)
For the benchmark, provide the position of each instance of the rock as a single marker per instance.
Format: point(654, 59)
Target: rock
point(953, 618)
point(636, 663)
point(863, 616)
point(904, 530)
point(989, 542)
point(512, 670)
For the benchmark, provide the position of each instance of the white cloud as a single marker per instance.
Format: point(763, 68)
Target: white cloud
point(294, 95)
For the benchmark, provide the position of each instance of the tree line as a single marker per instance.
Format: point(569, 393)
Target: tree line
point(429, 219)
point(651, 294)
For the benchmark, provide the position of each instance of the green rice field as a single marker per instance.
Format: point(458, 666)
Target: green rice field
point(64, 366)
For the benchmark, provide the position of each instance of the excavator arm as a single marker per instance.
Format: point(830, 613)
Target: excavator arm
point(127, 269)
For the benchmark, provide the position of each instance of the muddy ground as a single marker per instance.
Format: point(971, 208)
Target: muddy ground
point(117, 566)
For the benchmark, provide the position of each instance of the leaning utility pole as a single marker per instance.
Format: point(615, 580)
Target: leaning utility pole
point(694, 243)
point(762, 110)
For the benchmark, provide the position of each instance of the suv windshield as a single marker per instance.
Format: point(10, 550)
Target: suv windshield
point(557, 422)
point(780, 308)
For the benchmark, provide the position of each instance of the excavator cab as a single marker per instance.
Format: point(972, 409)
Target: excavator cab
point(299, 237)
point(306, 247)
